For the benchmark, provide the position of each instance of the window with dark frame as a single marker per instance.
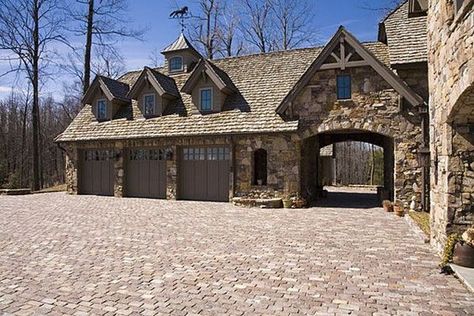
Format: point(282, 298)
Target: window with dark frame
point(101, 109)
point(343, 85)
point(206, 99)
point(260, 167)
point(176, 63)
point(149, 107)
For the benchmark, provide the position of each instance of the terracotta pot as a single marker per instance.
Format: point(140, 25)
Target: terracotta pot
point(388, 207)
point(287, 203)
point(399, 211)
point(463, 255)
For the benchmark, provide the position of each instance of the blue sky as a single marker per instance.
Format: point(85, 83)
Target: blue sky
point(160, 31)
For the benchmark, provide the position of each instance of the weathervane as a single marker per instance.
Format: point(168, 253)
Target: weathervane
point(182, 15)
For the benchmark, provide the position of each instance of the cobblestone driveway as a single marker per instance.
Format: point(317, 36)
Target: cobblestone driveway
point(81, 255)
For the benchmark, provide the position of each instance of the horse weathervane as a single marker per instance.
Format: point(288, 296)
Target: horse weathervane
point(181, 14)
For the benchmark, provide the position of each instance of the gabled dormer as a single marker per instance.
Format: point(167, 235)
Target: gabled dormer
point(180, 56)
point(153, 91)
point(106, 96)
point(208, 86)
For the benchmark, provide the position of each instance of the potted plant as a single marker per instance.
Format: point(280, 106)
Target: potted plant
point(387, 206)
point(298, 201)
point(287, 201)
point(398, 209)
point(464, 249)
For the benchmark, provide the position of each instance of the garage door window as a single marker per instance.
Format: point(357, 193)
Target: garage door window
point(99, 155)
point(150, 154)
point(214, 153)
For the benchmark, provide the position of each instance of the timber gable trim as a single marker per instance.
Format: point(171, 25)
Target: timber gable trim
point(341, 36)
point(113, 90)
point(163, 85)
point(218, 77)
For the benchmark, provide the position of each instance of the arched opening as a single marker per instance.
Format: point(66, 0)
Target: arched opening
point(260, 167)
point(348, 168)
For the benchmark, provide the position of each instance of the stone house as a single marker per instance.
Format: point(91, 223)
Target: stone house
point(451, 78)
point(253, 125)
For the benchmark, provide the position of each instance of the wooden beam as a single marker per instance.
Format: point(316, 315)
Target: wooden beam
point(343, 53)
point(350, 64)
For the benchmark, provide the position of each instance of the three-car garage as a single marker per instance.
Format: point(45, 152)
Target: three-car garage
point(202, 172)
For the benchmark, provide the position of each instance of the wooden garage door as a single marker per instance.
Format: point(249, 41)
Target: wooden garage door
point(146, 173)
point(204, 173)
point(96, 174)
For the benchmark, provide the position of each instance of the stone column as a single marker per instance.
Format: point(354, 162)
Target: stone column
point(119, 170)
point(172, 175)
point(72, 167)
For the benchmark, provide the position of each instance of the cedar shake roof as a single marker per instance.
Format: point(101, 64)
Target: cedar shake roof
point(262, 81)
point(406, 36)
point(164, 84)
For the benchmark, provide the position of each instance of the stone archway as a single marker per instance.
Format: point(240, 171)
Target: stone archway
point(311, 175)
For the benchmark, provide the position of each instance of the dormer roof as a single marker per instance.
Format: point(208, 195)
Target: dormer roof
point(182, 43)
point(164, 85)
point(217, 75)
point(114, 90)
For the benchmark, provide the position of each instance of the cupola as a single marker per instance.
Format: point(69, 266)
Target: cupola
point(180, 56)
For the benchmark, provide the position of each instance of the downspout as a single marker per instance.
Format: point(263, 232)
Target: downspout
point(424, 157)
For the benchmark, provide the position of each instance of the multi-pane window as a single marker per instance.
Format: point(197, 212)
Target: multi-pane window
point(176, 63)
point(343, 87)
point(150, 154)
point(206, 99)
point(107, 154)
point(149, 104)
point(210, 153)
point(101, 109)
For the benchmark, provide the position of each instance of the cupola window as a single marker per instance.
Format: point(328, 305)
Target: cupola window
point(176, 64)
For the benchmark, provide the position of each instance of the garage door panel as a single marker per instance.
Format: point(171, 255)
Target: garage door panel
point(96, 172)
point(204, 173)
point(146, 173)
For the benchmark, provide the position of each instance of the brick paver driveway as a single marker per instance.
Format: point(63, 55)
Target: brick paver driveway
point(81, 255)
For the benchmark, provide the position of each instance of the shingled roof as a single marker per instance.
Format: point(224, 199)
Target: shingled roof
point(113, 89)
point(406, 36)
point(262, 80)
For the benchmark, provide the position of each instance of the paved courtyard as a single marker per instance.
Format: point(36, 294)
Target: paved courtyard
point(80, 255)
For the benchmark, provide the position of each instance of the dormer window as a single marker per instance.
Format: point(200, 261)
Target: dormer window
point(417, 8)
point(343, 86)
point(205, 99)
point(101, 109)
point(176, 64)
point(149, 104)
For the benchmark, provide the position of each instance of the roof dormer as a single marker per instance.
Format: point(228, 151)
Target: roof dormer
point(153, 91)
point(209, 86)
point(180, 56)
point(106, 95)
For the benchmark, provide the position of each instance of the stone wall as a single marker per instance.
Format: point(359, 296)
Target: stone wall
point(282, 162)
point(451, 79)
point(373, 108)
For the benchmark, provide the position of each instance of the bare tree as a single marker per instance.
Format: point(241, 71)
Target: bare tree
point(101, 22)
point(292, 23)
point(109, 62)
point(229, 32)
point(257, 26)
point(27, 29)
point(205, 27)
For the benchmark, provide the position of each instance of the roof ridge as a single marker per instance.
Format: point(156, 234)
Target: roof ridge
point(393, 11)
point(268, 53)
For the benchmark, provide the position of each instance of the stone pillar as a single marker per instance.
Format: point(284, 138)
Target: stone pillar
point(172, 175)
point(119, 170)
point(72, 167)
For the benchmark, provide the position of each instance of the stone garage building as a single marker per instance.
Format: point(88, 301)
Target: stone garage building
point(212, 130)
